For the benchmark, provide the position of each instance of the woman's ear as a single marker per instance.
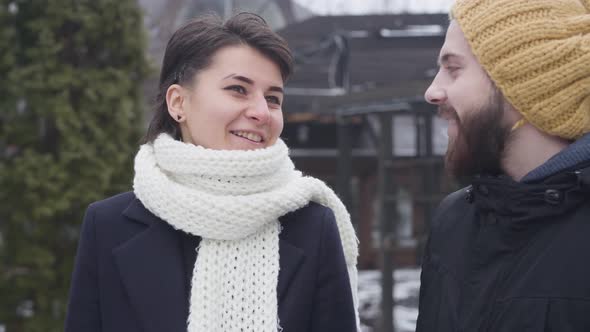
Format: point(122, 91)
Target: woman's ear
point(176, 102)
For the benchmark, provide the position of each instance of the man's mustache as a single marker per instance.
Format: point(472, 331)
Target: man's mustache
point(447, 112)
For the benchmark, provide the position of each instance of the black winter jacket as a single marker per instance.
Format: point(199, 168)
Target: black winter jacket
point(506, 256)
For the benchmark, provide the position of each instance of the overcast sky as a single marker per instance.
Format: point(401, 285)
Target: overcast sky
point(359, 7)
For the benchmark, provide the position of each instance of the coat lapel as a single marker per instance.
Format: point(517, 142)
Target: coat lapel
point(151, 268)
point(290, 260)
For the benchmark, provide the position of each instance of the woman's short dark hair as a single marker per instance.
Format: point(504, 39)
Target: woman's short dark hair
point(191, 49)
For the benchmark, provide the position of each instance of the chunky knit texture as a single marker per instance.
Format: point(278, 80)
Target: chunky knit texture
point(233, 200)
point(538, 53)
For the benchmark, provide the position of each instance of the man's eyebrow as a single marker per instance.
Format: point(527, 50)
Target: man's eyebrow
point(251, 82)
point(446, 57)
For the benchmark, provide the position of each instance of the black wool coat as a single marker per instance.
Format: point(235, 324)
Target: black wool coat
point(133, 271)
point(509, 257)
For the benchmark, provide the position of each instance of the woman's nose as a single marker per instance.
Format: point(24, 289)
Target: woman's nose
point(258, 110)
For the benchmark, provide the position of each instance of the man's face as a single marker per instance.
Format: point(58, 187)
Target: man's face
point(472, 105)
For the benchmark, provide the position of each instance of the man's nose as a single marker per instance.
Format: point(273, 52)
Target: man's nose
point(435, 95)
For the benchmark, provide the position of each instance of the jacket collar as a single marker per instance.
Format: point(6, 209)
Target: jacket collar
point(518, 202)
point(574, 154)
point(137, 212)
point(152, 269)
point(150, 265)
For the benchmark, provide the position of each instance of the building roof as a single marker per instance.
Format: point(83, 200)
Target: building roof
point(384, 57)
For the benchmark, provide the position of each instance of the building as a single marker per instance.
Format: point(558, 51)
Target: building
point(348, 70)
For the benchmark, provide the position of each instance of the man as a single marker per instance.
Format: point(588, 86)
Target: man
point(511, 252)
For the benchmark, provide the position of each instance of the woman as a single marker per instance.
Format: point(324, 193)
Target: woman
point(220, 233)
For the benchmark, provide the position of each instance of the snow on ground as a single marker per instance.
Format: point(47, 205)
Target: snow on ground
point(406, 288)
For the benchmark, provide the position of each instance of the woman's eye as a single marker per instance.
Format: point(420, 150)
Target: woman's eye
point(274, 100)
point(237, 88)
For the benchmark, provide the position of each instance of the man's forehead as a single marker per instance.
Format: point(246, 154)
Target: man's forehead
point(455, 45)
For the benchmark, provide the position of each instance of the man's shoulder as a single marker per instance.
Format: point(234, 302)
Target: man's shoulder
point(453, 215)
point(450, 229)
point(455, 202)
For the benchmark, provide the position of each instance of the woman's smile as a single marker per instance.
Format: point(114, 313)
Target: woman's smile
point(251, 136)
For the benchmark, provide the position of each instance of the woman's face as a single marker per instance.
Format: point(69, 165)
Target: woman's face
point(234, 104)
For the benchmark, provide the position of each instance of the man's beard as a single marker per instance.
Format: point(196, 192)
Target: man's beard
point(478, 148)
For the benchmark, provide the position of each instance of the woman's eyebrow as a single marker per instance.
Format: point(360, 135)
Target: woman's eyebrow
point(276, 89)
point(251, 82)
point(240, 78)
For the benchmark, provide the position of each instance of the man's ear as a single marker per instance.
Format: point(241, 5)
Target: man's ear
point(176, 102)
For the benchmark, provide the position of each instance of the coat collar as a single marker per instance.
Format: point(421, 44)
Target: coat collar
point(152, 268)
point(150, 265)
point(520, 203)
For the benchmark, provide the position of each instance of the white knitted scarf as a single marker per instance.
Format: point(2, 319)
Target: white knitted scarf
point(233, 199)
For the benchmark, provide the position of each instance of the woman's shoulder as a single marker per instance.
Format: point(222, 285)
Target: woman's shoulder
point(111, 212)
point(311, 213)
point(114, 204)
point(312, 220)
point(114, 220)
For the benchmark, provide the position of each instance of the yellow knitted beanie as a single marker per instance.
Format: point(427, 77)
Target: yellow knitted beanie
point(538, 53)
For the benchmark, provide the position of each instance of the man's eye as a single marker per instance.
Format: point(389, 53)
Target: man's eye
point(273, 99)
point(237, 88)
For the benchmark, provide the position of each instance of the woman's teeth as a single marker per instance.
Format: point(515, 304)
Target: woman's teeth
point(251, 136)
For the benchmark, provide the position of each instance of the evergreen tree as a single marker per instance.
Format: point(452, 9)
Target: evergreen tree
point(70, 122)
